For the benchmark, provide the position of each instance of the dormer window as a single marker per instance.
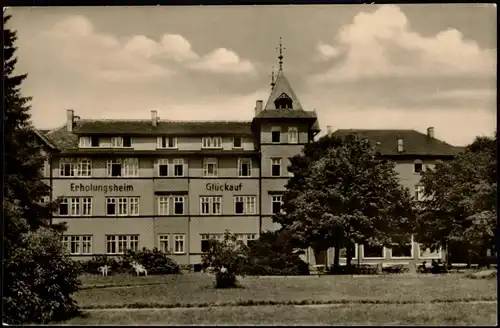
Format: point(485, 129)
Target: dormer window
point(88, 141)
point(211, 142)
point(119, 142)
point(400, 146)
point(166, 142)
point(283, 102)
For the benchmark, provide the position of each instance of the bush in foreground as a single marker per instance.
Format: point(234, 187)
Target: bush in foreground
point(273, 255)
point(228, 258)
point(39, 280)
point(155, 261)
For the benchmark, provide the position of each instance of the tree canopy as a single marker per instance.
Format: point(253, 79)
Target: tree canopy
point(342, 193)
point(460, 199)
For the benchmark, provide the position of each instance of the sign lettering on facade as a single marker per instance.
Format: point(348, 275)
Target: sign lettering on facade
point(223, 187)
point(102, 188)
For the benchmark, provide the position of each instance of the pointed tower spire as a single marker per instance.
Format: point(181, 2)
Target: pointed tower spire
point(272, 78)
point(280, 57)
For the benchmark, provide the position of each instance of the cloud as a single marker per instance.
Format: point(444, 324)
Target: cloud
point(74, 43)
point(326, 52)
point(223, 61)
point(382, 43)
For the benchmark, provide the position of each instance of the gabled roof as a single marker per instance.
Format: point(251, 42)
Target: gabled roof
point(282, 86)
point(144, 127)
point(414, 142)
point(44, 138)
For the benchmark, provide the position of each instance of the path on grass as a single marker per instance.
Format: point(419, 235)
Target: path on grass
point(333, 304)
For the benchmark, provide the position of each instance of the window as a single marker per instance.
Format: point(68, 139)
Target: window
point(343, 252)
point(373, 251)
point(417, 166)
point(94, 141)
point(111, 206)
point(123, 167)
point(77, 245)
point(419, 192)
point(179, 205)
point(75, 206)
point(127, 206)
point(275, 135)
point(244, 167)
point(277, 201)
point(244, 204)
point(86, 142)
point(162, 205)
point(163, 243)
point(86, 206)
point(210, 205)
point(205, 241)
point(237, 142)
point(120, 142)
point(426, 253)
point(118, 244)
point(45, 169)
point(44, 199)
point(178, 167)
point(276, 167)
point(178, 244)
point(402, 251)
point(210, 167)
point(246, 239)
point(162, 167)
point(81, 167)
point(166, 142)
point(400, 145)
point(290, 174)
point(293, 135)
point(211, 142)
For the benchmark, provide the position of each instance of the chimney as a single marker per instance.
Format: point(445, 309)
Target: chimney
point(329, 130)
point(430, 132)
point(69, 119)
point(154, 117)
point(258, 107)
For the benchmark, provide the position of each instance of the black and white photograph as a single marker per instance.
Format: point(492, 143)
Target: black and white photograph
point(250, 165)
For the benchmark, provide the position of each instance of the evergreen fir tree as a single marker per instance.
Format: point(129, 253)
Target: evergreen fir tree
point(39, 277)
point(23, 158)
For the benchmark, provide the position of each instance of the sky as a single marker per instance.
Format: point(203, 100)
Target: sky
point(359, 66)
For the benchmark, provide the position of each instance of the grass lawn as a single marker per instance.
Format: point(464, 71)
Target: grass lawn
point(198, 289)
point(191, 290)
point(361, 314)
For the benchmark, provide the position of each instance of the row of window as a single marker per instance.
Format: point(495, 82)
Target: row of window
point(129, 206)
point(118, 244)
point(129, 167)
point(170, 142)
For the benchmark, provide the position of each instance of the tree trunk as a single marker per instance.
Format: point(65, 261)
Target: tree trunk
point(349, 255)
point(336, 256)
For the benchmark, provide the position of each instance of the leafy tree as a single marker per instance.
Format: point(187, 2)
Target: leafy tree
point(23, 190)
point(345, 196)
point(459, 207)
point(41, 278)
point(228, 258)
point(273, 254)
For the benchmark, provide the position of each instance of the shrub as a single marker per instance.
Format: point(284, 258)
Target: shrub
point(39, 280)
point(361, 269)
point(155, 261)
point(396, 268)
point(228, 258)
point(92, 266)
point(273, 254)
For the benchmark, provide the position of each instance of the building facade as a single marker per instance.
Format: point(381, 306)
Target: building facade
point(129, 184)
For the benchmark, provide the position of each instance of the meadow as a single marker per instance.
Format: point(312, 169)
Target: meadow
point(191, 299)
